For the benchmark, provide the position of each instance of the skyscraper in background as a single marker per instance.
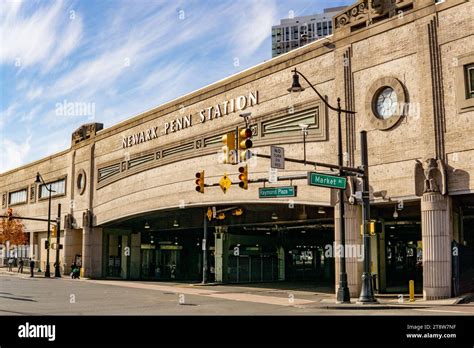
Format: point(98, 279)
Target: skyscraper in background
point(295, 32)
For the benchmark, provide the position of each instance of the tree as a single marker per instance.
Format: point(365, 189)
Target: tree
point(12, 230)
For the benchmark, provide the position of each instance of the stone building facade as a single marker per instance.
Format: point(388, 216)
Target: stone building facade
point(130, 209)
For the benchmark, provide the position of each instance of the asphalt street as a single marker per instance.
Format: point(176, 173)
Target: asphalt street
point(22, 295)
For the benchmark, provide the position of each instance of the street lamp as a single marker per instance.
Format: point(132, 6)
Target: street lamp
point(343, 295)
point(39, 180)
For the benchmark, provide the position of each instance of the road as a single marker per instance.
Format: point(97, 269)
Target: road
point(21, 295)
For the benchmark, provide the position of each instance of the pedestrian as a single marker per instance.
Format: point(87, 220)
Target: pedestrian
point(32, 267)
point(75, 271)
point(20, 266)
point(10, 264)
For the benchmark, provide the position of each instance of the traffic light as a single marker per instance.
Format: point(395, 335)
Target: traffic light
point(200, 181)
point(245, 143)
point(372, 227)
point(53, 231)
point(229, 147)
point(10, 214)
point(46, 244)
point(244, 177)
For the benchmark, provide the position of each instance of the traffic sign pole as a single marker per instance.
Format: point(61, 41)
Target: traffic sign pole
point(57, 270)
point(367, 291)
point(204, 251)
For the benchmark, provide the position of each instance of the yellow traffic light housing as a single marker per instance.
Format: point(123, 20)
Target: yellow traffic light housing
point(53, 231)
point(237, 212)
point(200, 181)
point(243, 177)
point(372, 227)
point(228, 149)
point(245, 143)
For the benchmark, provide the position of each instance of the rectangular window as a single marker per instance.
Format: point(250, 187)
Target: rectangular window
point(18, 197)
point(469, 73)
point(58, 187)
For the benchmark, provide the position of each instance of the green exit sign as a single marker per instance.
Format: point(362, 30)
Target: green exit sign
point(324, 180)
point(277, 192)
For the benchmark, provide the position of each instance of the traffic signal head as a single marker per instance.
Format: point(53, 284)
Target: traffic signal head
point(46, 244)
point(228, 149)
point(244, 178)
point(53, 230)
point(245, 143)
point(200, 182)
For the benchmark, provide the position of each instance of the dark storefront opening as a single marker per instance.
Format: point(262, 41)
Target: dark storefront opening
point(171, 255)
point(403, 257)
point(266, 243)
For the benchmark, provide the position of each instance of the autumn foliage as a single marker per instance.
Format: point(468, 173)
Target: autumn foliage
point(12, 231)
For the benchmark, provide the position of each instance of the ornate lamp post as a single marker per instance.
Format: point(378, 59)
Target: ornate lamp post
point(343, 295)
point(39, 180)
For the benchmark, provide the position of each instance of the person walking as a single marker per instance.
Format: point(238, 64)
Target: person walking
point(10, 264)
point(20, 266)
point(32, 267)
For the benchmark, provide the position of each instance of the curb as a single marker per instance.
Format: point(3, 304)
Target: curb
point(371, 306)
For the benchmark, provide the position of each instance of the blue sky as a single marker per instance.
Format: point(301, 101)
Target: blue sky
point(120, 57)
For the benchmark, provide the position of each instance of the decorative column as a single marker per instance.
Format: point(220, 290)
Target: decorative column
point(353, 241)
point(221, 254)
point(87, 230)
point(436, 238)
point(431, 185)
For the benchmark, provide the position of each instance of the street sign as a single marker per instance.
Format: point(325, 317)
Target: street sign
point(225, 183)
point(324, 180)
point(277, 157)
point(214, 212)
point(209, 214)
point(273, 175)
point(277, 192)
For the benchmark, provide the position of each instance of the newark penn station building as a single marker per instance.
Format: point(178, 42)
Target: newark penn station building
point(131, 210)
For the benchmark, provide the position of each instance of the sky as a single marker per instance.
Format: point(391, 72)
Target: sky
point(118, 58)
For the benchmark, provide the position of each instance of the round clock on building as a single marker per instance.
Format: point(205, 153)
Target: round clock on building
point(386, 99)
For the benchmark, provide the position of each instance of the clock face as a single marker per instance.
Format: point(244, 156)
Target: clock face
point(386, 103)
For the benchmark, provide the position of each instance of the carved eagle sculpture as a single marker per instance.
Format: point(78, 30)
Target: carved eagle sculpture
point(430, 177)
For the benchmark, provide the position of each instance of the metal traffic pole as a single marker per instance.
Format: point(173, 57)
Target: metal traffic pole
point(57, 271)
point(204, 251)
point(367, 291)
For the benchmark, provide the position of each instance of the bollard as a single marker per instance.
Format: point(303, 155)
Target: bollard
point(411, 285)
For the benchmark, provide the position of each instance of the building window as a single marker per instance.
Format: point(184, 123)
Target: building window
point(469, 75)
point(464, 82)
point(18, 197)
point(58, 187)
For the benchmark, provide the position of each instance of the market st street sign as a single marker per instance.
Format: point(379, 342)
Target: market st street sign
point(331, 181)
point(277, 192)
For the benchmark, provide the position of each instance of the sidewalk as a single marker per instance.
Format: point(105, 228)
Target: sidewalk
point(26, 272)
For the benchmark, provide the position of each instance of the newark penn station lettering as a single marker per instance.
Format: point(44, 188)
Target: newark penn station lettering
point(210, 113)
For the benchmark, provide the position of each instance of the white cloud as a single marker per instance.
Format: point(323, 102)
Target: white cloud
point(14, 154)
point(254, 27)
point(39, 38)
